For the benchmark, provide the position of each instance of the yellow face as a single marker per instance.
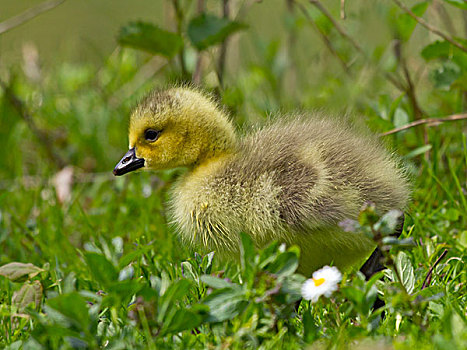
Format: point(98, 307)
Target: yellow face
point(163, 141)
point(176, 128)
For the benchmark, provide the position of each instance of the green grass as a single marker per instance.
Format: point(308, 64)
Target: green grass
point(108, 270)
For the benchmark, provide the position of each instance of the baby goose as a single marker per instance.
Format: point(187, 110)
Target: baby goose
point(292, 181)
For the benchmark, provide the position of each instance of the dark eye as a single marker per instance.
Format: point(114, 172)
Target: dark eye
point(151, 135)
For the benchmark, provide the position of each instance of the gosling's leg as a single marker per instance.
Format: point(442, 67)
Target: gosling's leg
point(374, 262)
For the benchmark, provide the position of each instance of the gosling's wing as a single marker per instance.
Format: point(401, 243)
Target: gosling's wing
point(326, 170)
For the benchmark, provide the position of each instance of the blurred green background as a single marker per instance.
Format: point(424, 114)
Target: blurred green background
point(279, 63)
point(76, 31)
point(70, 77)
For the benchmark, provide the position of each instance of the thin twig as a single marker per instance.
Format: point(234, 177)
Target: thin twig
point(198, 72)
point(27, 15)
point(428, 26)
point(343, 16)
point(324, 37)
point(409, 89)
point(223, 49)
point(428, 122)
point(290, 47)
point(341, 30)
point(430, 272)
point(417, 111)
point(179, 20)
point(464, 18)
point(41, 135)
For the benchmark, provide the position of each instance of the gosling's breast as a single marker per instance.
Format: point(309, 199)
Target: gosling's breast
point(211, 209)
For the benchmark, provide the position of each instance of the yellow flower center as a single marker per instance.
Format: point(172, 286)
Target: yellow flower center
point(318, 281)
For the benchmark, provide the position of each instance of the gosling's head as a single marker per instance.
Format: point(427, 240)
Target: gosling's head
point(179, 127)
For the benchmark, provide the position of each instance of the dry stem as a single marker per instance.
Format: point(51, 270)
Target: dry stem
point(428, 122)
point(27, 15)
point(430, 272)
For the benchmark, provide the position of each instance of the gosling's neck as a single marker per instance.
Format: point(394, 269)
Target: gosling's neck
point(221, 146)
point(217, 138)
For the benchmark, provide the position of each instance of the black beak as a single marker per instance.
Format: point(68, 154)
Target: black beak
point(128, 163)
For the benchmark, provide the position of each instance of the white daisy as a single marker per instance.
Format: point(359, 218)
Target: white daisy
point(323, 282)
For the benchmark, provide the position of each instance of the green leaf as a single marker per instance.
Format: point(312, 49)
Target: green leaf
point(370, 297)
point(355, 295)
point(462, 4)
point(389, 221)
point(126, 273)
point(175, 292)
point(291, 288)
point(131, 256)
point(206, 264)
point(73, 307)
point(188, 271)
point(225, 304)
point(405, 24)
point(101, 269)
point(310, 329)
point(284, 265)
point(247, 246)
point(148, 293)
point(29, 293)
point(198, 258)
point(208, 30)
point(17, 345)
point(445, 74)
point(406, 271)
point(268, 254)
point(122, 291)
point(368, 215)
point(430, 293)
point(463, 239)
point(216, 282)
point(247, 253)
point(417, 151)
point(444, 50)
point(437, 49)
point(400, 117)
point(150, 38)
point(436, 309)
point(183, 319)
point(394, 241)
point(18, 272)
point(452, 214)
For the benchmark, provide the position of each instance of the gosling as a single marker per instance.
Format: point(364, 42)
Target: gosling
point(293, 180)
